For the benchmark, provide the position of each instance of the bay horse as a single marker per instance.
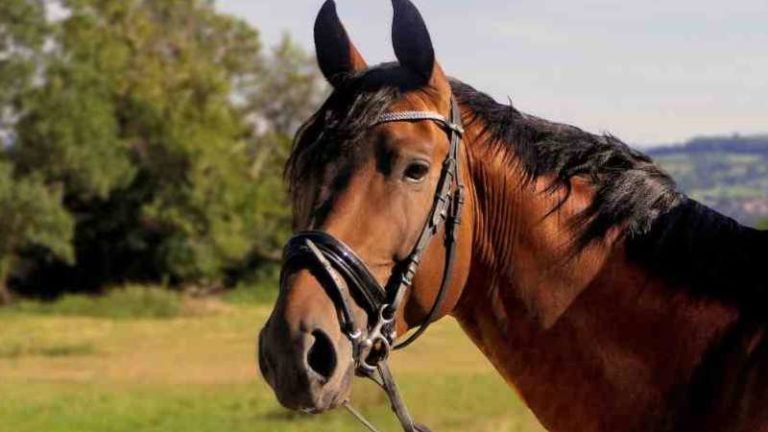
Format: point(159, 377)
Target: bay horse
point(608, 299)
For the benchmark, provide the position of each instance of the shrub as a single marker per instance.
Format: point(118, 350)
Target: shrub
point(128, 302)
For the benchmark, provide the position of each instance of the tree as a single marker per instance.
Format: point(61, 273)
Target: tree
point(31, 212)
point(32, 215)
point(136, 108)
point(286, 94)
point(163, 128)
point(22, 33)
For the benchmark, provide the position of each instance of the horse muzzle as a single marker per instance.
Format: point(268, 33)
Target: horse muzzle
point(309, 371)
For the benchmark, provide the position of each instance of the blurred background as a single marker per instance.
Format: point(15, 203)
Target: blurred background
point(142, 208)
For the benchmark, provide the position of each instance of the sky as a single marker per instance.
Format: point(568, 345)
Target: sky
point(649, 72)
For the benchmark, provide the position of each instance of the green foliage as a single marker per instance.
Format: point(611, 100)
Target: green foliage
point(288, 94)
point(31, 215)
point(22, 24)
point(128, 302)
point(163, 128)
point(763, 225)
point(70, 134)
point(22, 33)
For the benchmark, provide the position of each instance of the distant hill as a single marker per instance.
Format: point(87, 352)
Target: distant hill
point(729, 174)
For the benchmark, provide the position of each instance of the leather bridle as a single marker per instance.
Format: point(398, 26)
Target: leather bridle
point(340, 269)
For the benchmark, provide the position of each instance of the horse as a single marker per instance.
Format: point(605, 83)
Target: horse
point(608, 299)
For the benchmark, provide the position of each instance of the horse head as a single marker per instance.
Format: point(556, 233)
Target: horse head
point(377, 197)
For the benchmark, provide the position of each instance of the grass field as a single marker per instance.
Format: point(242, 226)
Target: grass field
point(197, 372)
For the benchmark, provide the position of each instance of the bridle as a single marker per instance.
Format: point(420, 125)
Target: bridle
point(339, 269)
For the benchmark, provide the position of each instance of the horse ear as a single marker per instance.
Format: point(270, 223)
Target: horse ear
point(336, 54)
point(413, 45)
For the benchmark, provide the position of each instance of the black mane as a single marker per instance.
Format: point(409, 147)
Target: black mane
point(670, 234)
point(711, 254)
point(630, 190)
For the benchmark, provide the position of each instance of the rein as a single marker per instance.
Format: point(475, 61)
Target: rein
point(342, 273)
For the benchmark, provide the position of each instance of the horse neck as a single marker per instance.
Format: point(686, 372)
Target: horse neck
point(590, 341)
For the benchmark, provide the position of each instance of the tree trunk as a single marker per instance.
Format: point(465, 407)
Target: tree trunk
point(5, 294)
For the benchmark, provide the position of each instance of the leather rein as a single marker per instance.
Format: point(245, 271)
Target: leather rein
point(345, 276)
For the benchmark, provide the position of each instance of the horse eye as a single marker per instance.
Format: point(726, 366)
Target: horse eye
point(416, 171)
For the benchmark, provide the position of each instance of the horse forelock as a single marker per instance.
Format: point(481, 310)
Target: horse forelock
point(328, 145)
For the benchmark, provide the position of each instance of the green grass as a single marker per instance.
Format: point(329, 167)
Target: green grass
point(120, 303)
point(197, 373)
point(261, 289)
point(20, 349)
point(252, 294)
point(454, 404)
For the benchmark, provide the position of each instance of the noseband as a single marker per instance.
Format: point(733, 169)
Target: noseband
point(345, 276)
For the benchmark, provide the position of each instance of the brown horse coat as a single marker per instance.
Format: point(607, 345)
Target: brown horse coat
point(606, 298)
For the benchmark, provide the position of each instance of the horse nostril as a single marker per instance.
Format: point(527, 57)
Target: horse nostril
point(321, 357)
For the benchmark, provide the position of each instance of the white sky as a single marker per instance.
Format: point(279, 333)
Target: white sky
point(649, 72)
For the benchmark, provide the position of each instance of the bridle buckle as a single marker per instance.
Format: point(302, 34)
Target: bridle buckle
point(377, 344)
